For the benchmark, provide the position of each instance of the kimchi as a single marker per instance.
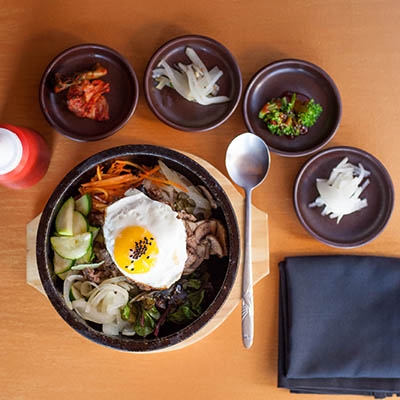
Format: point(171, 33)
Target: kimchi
point(86, 100)
point(85, 95)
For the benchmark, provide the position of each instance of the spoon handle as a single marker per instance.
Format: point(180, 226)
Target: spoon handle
point(247, 280)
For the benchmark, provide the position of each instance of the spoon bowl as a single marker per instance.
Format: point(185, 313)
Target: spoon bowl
point(247, 162)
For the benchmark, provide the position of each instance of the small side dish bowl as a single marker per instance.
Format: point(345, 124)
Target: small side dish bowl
point(302, 77)
point(173, 109)
point(122, 98)
point(222, 271)
point(354, 229)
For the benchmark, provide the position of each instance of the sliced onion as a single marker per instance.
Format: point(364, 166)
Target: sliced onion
point(90, 313)
point(111, 328)
point(127, 286)
point(112, 296)
point(115, 279)
point(87, 288)
point(69, 280)
point(104, 303)
point(119, 326)
point(340, 193)
point(128, 330)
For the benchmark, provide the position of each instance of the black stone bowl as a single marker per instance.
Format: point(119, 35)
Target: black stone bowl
point(223, 271)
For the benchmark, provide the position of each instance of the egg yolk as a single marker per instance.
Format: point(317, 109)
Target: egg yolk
point(135, 250)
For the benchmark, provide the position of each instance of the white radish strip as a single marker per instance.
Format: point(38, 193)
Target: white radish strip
point(195, 59)
point(178, 81)
point(340, 193)
point(193, 82)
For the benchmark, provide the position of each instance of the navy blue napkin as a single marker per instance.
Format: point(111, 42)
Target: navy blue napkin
point(339, 325)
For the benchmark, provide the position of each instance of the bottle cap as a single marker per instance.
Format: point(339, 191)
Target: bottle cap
point(10, 151)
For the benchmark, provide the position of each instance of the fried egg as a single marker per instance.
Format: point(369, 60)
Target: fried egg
point(146, 240)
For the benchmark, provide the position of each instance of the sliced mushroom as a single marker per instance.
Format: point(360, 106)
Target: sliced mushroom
point(215, 246)
point(193, 261)
point(205, 228)
point(221, 236)
point(186, 216)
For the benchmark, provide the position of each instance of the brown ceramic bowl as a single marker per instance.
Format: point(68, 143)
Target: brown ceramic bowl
point(176, 111)
point(122, 98)
point(302, 77)
point(355, 229)
point(222, 271)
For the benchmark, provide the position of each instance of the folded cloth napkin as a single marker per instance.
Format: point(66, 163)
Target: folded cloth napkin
point(339, 325)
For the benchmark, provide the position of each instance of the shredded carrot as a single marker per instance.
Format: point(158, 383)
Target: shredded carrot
point(95, 192)
point(132, 164)
point(110, 185)
point(152, 171)
point(118, 167)
point(113, 181)
point(99, 172)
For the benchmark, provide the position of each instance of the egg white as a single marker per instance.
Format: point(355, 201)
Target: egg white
point(169, 233)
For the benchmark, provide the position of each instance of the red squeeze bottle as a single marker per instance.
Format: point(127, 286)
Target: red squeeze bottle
point(24, 157)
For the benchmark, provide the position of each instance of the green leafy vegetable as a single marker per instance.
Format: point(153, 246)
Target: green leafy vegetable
point(308, 117)
point(189, 310)
point(290, 116)
point(180, 304)
point(147, 321)
point(125, 312)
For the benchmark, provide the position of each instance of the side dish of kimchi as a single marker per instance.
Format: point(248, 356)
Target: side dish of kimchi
point(85, 93)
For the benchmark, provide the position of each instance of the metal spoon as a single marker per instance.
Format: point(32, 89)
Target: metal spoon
point(247, 162)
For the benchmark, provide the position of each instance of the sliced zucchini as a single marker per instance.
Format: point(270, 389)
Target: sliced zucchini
point(86, 258)
point(80, 267)
point(72, 247)
point(64, 218)
point(84, 204)
point(61, 264)
point(63, 275)
point(95, 230)
point(79, 223)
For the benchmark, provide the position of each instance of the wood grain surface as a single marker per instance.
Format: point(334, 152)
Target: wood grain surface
point(355, 41)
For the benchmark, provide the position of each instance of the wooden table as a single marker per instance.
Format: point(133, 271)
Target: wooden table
point(355, 41)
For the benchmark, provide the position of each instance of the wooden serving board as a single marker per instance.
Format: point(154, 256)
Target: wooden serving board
point(260, 253)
